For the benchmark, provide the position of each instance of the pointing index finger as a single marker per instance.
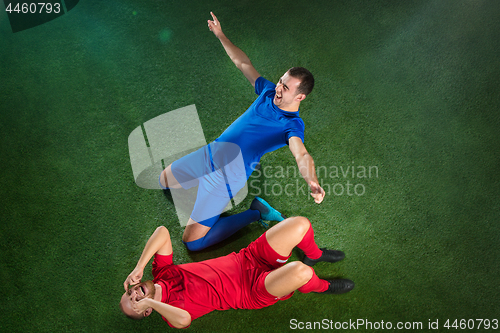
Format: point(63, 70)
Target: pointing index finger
point(216, 21)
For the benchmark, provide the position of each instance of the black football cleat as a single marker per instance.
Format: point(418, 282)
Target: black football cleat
point(339, 286)
point(328, 255)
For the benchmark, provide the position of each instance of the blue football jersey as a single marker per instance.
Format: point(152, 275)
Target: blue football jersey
point(263, 127)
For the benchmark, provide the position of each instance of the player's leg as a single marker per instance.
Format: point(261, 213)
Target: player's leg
point(298, 232)
point(206, 227)
point(212, 228)
point(185, 172)
point(194, 231)
point(167, 179)
point(288, 278)
point(298, 276)
point(287, 234)
point(198, 236)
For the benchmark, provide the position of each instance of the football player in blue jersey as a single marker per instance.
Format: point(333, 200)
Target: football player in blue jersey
point(271, 122)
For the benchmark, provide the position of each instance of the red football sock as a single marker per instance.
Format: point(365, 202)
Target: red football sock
point(315, 284)
point(308, 245)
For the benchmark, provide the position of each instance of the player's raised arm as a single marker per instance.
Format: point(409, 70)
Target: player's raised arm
point(239, 58)
point(160, 243)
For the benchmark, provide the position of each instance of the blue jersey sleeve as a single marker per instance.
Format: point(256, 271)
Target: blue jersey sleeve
point(262, 85)
point(297, 129)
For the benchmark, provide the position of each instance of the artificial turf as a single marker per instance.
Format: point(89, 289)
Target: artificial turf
point(409, 89)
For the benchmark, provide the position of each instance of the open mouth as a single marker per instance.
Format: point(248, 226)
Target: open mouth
point(143, 290)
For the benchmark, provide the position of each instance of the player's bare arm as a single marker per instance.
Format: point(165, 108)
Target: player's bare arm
point(179, 318)
point(160, 243)
point(305, 163)
point(239, 58)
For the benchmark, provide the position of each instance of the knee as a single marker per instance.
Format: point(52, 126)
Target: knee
point(302, 272)
point(302, 224)
point(194, 236)
point(163, 229)
point(163, 179)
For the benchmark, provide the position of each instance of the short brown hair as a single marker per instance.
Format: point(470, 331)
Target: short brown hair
point(305, 77)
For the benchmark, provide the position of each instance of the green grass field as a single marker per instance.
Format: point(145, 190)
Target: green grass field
point(408, 88)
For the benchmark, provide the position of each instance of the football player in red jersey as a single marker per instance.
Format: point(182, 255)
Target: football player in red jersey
point(255, 277)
